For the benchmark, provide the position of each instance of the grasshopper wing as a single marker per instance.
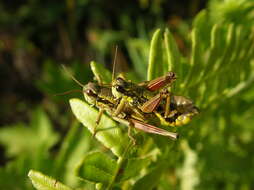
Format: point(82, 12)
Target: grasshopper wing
point(162, 81)
point(151, 104)
point(152, 129)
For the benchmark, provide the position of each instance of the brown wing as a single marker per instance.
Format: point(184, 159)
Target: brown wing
point(151, 104)
point(160, 82)
point(152, 129)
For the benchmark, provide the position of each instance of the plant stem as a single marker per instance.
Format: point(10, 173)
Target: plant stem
point(120, 162)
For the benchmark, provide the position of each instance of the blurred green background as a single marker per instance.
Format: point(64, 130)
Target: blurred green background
point(36, 37)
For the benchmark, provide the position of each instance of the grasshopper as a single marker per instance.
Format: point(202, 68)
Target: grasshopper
point(143, 95)
point(172, 110)
point(153, 97)
point(102, 98)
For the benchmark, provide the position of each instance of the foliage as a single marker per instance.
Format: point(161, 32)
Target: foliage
point(41, 181)
point(214, 151)
point(221, 78)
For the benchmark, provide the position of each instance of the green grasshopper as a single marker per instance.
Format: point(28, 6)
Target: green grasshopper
point(102, 98)
point(153, 96)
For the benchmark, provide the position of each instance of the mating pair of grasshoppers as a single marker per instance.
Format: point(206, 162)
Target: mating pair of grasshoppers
point(140, 105)
point(101, 96)
point(153, 97)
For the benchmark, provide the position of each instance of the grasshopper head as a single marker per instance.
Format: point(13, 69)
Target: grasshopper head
point(119, 86)
point(91, 92)
point(171, 76)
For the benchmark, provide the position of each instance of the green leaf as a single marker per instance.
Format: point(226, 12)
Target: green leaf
point(172, 52)
point(20, 139)
point(230, 47)
point(76, 143)
point(203, 24)
point(216, 49)
point(134, 167)
point(150, 180)
point(155, 67)
point(28, 146)
point(238, 12)
point(247, 56)
point(188, 173)
point(243, 48)
point(109, 134)
point(195, 60)
point(101, 73)
point(97, 167)
point(43, 182)
point(138, 49)
point(16, 169)
point(173, 56)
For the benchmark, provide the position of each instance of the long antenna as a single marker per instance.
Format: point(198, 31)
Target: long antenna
point(114, 64)
point(73, 78)
point(68, 92)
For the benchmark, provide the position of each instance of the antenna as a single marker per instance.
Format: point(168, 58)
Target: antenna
point(73, 78)
point(114, 64)
point(68, 92)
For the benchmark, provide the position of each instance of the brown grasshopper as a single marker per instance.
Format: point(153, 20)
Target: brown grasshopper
point(153, 96)
point(144, 95)
point(102, 98)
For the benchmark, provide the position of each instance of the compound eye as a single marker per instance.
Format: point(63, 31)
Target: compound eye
point(173, 75)
point(119, 80)
point(120, 89)
point(90, 92)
